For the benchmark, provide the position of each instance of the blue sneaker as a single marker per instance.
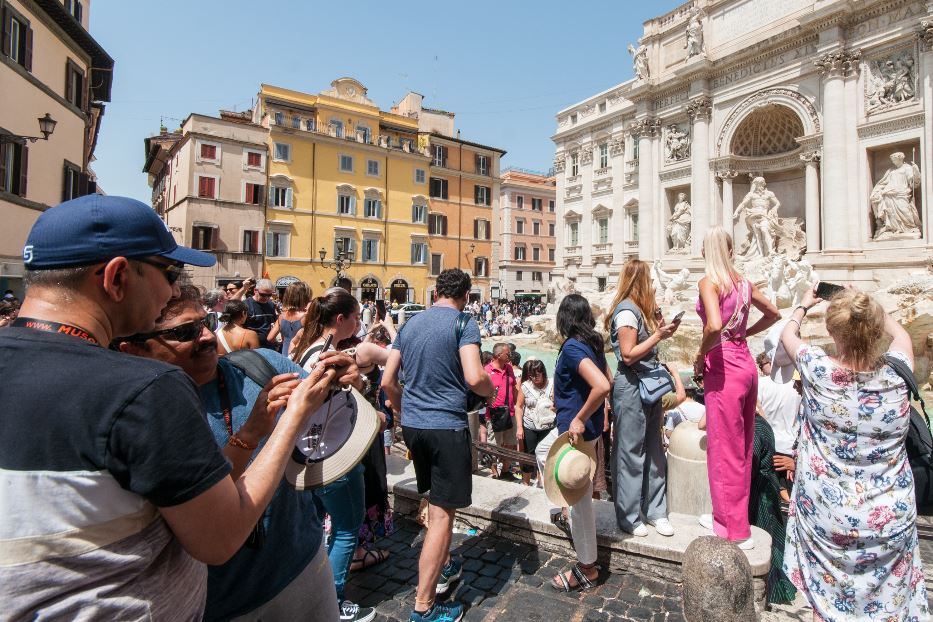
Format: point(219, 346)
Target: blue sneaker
point(449, 574)
point(447, 612)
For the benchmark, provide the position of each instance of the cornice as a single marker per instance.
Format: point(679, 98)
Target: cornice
point(677, 173)
point(889, 126)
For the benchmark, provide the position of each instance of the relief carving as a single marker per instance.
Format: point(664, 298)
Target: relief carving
point(890, 81)
point(676, 144)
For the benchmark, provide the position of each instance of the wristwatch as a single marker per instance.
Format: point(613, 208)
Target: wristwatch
point(805, 309)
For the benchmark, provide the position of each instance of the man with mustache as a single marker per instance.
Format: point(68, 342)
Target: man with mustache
point(282, 572)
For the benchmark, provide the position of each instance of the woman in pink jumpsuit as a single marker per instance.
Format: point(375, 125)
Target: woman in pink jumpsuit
point(730, 382)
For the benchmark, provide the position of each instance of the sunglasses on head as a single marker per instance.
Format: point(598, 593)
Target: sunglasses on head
point(188, 331)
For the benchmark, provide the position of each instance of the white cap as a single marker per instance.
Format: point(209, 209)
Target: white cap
point(782, 364)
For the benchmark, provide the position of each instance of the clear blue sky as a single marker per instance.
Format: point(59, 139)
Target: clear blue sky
point(505, 68)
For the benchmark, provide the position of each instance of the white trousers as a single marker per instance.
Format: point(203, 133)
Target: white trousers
point(582, 517)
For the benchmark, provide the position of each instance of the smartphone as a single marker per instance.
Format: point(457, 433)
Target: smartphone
point(678, 317)
point(828, 290)
point(380, 309)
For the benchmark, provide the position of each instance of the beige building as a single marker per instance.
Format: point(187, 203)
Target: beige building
point(526, 220)
point(208, 183)
point(49, 65)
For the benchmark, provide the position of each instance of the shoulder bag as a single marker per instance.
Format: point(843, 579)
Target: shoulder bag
point(499, 416)
point(918, 442)
point(654, 381)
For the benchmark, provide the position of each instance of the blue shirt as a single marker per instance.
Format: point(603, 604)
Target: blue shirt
point(253, 577)
point(435, 393)
point(571, 390)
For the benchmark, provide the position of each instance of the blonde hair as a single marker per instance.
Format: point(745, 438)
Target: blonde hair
point(635, 285)
point(855, 321)
point(717, 248)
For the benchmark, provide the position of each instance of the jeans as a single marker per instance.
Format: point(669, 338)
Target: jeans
point(343, 499)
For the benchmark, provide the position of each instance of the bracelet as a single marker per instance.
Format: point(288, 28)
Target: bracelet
point(797, 322)
point(236, 441)
point(805, 309)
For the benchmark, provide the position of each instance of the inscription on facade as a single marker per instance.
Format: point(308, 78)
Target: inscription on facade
point(885, 20)
point(669, 100)
point(743, 18)
point(775, 62)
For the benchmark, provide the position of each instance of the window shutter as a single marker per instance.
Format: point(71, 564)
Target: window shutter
point(3, 165)
point(476, 162)
point(5, 16)
point(443, 225)
point(257, 193)
point(23, 169)
point(476, 194)
point(269, 244)
point(69, 81)
point(352, 211)
point(476, 229)
point(288, 197)
point(27, 56)
point(78, 11)
point(66, 183)
point(248, 193)
point(84, 181)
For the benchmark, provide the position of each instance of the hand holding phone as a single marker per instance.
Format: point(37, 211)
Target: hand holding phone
point(678, 317)
point(826, 291)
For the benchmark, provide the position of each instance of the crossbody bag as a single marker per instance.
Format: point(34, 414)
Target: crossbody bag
point(654, 381)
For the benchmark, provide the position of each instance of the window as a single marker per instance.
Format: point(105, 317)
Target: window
point(372, 167)
point(279, 118)
point(482, 195)
point(573, 236)
point(419, 175)
point(370, 250)
point(336, 128)
point(482, 164)
point(536, 204)
point(536, 253)
point(17, 38)
point(481, 229)
point(419, 253)
point(438, 188)
point(536, 227)
point(634, 221)
point(372, 208)
point(437, 264)
point(282, 152)
point(602, 226)
point(250, 241)
point(207, 187)
point(550, 229)
point(346, 163)
point(280, 196)
point(277, 244)
point(635, 150)
point(519, 252)
point(574, 164)
point(519, 225)
point(296, 122)
point(71, 185)
point(74, 84)
point(207, 151)
point(601, 283)
point(480, 267)
point(604, 155)
point(602, 106)
point(346, 204)
point(419, 212)
point(550, 206)
point(518, 275)
point(550, 254)
point(439, 155)
point(519, 202)
point(202, 238)
point(345, 244)
point(437, 224)
point(253, 194)
point(309, 125)
point(75, 9)
point(253, 159)
point(363, 133)
point(536, 277)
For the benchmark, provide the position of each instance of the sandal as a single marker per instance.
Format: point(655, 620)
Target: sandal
point(578, 574)
point(560, 521)
point(370, 558)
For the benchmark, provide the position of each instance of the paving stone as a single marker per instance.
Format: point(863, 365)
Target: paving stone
point(473, 553)
point(473, 565)
point(507, 560)
point(596, 602)
point(490, 570)
point(371, 581)
point(531, 581)
point(616, 607)
point(471, 597)
point(491, 556)
point(485, 583)
point(640, 613)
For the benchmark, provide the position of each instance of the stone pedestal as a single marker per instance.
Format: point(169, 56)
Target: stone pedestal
point(687, 479)
point(699, 110)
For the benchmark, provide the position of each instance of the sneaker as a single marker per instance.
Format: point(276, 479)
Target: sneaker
point(706, 521)
point(449, 574)
point(351, 612)
point(664, 527)
point(447, 612)
point(640, 530)
point(746, 545)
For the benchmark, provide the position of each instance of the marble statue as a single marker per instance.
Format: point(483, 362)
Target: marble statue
point(640, 60)
point(801, 279)
point(679, 226)
point(767, 233)
point(775, 283)
point(891, 81)
point(892, 201)
point(677, 144)
point(668, 286)
point(694, 43)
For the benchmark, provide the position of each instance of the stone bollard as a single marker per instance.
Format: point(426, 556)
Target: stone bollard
point(717, 582)
point(687, 480)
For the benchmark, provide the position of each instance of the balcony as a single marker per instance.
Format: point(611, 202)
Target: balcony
point(573, 251)
point(631, 245)
point(602, 249)
point(406, 145)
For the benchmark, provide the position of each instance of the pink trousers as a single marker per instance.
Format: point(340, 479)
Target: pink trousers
point(730, 384)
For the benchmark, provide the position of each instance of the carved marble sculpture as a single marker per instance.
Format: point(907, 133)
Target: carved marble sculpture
point(694, 43)
point(800, 281)
point(679, 226)
point(787, 281)
point(668, 286)
point(640, 60)
point(892, 201)
point(767, 233)
point(891, 81)
point(677, 144)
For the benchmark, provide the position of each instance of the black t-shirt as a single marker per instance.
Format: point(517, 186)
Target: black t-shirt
point(261, 316)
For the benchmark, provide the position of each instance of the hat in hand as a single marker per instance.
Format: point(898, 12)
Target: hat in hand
point(782, 364)
point(337, 436)
point(568, 470)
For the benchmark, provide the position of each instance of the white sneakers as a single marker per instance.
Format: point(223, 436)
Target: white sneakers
point(664, 527)
point(706, 520)
point(640, 530)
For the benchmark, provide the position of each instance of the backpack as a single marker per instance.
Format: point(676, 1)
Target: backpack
point(253, 364)
point(919, 441)
point(474, 402)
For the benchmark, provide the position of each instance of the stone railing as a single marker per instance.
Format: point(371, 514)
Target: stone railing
point(572, 251)
point(602, 249)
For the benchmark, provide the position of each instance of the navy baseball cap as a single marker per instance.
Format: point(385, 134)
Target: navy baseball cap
point(96, 228)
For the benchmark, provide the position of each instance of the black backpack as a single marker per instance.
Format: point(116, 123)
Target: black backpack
point(474, 402)
point(919, 441)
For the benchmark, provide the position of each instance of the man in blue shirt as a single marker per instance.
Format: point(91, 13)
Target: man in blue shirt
point(441, 363)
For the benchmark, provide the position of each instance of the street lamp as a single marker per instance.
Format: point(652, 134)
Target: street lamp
point(46, 126)
point(341, 262)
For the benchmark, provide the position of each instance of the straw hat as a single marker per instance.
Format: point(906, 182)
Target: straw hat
point(338, 435)
point(568, 470)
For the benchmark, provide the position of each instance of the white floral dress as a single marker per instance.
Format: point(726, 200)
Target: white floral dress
point(851, 533)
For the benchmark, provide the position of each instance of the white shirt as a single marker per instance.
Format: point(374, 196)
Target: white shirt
point(688, 411)
point(780, 403)
point(625, 318)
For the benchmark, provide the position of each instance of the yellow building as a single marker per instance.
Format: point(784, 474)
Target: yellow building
point(344, 176)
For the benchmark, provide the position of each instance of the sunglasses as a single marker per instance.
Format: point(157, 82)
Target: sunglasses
point(232, 289)
point(171, 271)
point(188, 331)
point(263, 294)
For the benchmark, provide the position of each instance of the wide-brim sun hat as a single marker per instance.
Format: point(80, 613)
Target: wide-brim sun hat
point(336, 437)
point(782, 365)
point(568, 470)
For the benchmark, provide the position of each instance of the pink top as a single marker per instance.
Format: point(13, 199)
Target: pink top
point(503, 379)
point(734, 321)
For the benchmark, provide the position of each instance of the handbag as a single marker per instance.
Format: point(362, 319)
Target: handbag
point(654, 384)
point(500, 416)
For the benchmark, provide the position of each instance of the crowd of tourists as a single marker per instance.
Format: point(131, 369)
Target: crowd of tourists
point(221, 455)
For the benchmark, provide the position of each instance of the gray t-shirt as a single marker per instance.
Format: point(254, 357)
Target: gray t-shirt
point(435, 392)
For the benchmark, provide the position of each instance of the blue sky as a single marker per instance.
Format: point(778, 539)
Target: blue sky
point(505, 68)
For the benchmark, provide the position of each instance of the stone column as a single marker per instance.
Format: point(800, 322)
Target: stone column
point(837, 221)
point(699, 111)
point(925, 34)
point(644, 131)
point(728, 206)
point(812, 210)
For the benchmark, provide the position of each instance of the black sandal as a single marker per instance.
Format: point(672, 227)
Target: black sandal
point(577, 573)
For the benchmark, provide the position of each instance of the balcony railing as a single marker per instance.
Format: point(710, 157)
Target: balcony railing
point(602, 249)
point(572, 251)
point(407, 145)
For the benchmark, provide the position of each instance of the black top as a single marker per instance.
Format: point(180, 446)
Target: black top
point(261, 316)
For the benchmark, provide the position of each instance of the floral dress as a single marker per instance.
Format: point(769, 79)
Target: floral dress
point(851, 533)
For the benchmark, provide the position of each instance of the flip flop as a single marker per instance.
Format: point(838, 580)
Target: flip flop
point(370, 558)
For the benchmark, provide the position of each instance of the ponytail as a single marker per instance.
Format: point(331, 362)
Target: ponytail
point(322, 312)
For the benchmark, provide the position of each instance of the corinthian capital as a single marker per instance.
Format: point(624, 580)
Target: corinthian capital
point(645, 127)
point(811, 156)
point(839, 63)
point(727, 175)
point(700, 109)
point(925, 33)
